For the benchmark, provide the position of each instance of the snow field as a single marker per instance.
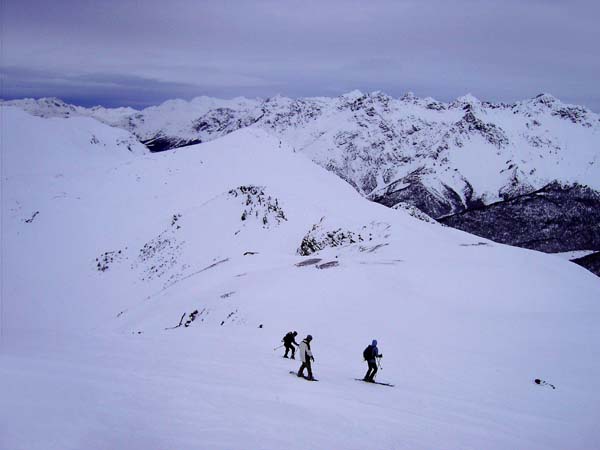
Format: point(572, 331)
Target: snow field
point(216, 388)
point(87, 362)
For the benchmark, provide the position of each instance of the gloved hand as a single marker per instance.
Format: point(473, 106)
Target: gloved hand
point(313, 358)
point(380, 356)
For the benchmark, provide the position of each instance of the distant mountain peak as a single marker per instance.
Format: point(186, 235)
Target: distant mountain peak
point(545, 98)
point(353, 95)
point(468, 99)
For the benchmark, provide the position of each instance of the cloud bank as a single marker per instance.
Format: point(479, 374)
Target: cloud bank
point(143, 52)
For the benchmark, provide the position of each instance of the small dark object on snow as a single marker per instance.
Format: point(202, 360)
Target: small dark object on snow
point(260, 326)
point(328, 265)
point(32, 217)
point(192, 317)
point(543, 383)
point(308, 262)
point(178, 325)
point(250, 253)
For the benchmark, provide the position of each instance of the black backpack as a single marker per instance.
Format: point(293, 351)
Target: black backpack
point(368, 353)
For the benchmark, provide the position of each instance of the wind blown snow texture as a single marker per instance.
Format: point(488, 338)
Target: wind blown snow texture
point(144, 293)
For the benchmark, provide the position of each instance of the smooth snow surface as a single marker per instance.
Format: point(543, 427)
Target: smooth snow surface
point(574, 254)
point(210, 387)
point(126, 245)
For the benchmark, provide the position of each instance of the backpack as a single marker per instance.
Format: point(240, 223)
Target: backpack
point(368, 353)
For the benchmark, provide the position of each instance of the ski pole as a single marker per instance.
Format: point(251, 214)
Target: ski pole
point(278, 347)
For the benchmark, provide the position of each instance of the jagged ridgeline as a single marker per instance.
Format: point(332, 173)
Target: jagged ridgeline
point(525, 174)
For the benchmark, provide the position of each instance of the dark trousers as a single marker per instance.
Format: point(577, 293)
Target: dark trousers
point(370, 375)
point(307, 366)
point(289, 347)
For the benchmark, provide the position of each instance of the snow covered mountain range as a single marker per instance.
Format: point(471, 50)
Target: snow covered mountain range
point(143, 294)
point(450, 160)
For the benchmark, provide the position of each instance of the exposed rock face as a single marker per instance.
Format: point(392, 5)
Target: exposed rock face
point(323, 235)
point(413, 191)
point(221, 121)
point(553, 219)
point(317, 239)
point(161, 143)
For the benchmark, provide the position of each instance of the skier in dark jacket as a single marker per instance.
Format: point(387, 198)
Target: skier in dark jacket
point(370, 354)
point(289, 340)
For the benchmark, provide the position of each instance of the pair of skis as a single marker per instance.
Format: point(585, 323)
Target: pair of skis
point(374, 382)
point(357, 379)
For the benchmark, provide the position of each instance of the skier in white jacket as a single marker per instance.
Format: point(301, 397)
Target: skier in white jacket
point(306, 357)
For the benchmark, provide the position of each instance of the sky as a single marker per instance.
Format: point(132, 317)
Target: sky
point(139, 53)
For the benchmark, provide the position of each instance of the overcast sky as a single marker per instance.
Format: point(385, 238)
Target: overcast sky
point(137, 53)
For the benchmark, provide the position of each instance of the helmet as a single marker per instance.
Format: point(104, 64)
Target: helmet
point(295, 333)
point(309, 337)
point(374, 343)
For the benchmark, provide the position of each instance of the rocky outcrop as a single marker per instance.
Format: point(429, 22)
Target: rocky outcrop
point(325, 235)
point(162, 143)
point(258, 206)
point(318, 238)
point(413, 191)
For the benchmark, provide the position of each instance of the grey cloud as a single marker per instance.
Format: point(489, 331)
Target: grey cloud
point(498, 50)
point(95, 89)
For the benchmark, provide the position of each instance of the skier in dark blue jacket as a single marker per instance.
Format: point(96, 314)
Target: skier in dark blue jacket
point(370, 354)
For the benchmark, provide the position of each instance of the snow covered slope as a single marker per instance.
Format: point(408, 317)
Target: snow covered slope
point(190, 265)
point(443, 158)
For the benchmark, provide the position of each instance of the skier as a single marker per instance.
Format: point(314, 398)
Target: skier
point(306, 357)
point(289, 340)
point(370, 353)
